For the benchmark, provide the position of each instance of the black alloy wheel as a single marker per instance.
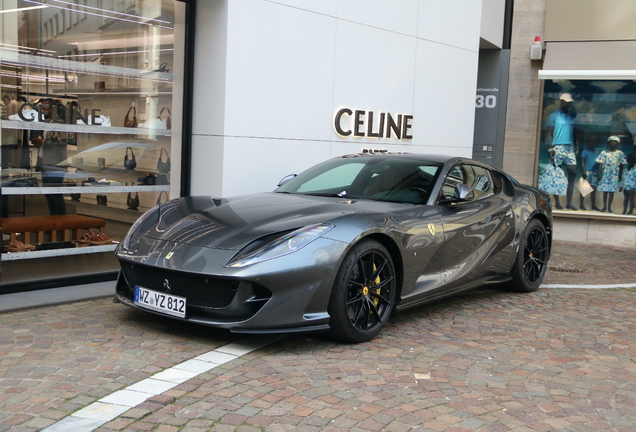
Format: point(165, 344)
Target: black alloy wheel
point(532, 259)
point(363, 295)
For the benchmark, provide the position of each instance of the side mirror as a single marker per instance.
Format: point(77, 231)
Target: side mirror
point(286, 179)
point(463, 193)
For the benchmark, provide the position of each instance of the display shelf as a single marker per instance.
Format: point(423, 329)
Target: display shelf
point(50, 63)
point(12, 256)
point(82, 189)
point(61, 127)
point(117, 91)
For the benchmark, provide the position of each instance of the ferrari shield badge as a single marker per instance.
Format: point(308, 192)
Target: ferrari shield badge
point(431, 228)
point(169, 254)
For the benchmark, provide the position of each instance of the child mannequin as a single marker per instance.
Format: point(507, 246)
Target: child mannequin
point(610, 169)
point(629, 184)
point(590, 169)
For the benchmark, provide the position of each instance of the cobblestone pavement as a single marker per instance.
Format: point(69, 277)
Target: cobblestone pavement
point(556, 359)
point(573, 263)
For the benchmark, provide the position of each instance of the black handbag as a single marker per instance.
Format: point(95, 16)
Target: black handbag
point(74, 196)
point(133, 203)
point(163, 167)
point(131, 163)
point(160, 195)
point(102, 200)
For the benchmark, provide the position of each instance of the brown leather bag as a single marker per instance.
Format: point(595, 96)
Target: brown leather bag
point(127, 121)
point(168, 118)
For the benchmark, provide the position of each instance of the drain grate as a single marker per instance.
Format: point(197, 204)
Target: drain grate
point(567, 270)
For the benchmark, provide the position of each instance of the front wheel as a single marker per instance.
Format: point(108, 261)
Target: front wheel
point(532, 259)
point(363, 294)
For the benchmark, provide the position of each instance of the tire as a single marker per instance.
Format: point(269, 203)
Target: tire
point(532, 259)
point(363, 294)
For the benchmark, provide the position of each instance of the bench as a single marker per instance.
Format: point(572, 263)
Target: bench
point(71, 225)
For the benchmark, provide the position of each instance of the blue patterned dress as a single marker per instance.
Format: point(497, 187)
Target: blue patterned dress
point(553, 180)
point(611, 162)
point(629, 179)
point(629, 175)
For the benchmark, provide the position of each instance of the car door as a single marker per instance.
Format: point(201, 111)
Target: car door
point(478, 232)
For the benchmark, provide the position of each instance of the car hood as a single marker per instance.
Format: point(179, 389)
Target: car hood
point(234, 222)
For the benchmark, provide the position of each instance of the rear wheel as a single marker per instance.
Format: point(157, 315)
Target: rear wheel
point(532, 259)
point(363, 294)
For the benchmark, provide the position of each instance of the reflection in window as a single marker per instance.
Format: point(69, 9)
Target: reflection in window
point(101, 85)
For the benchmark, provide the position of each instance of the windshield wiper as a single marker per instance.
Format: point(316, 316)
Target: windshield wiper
point(330, 195)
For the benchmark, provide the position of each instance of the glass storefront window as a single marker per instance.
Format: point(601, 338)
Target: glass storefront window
point(587, 154)
point(87, 129)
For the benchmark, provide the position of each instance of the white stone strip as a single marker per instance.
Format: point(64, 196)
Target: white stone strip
point(112, 406)
point(614, 286)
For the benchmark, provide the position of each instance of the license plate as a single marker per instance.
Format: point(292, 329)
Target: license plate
point(160, 302)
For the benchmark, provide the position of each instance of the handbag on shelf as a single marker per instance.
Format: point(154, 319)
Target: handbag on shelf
point(163, 167)
point(163, 67)
point(101, 162)
point(168, 119)
point(131, 163)
point(74, 196)
point(160, 195)
point(553, 181)
point(133, 202)
point(128, 122)
point(102, 200)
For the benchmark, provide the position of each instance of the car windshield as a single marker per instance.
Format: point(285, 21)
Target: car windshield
point(378, 178)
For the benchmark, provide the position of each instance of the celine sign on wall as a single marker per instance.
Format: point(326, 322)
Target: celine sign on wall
point(369, 124)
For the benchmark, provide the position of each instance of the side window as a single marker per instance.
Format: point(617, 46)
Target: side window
point(475, 177)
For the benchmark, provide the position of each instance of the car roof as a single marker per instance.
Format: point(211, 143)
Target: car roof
point(435, 158)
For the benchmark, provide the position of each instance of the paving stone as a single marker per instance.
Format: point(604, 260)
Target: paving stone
point(489, 360)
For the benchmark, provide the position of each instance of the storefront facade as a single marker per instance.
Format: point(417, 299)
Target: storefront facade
point(91, 130)
point(272, 88)
point(573, 111)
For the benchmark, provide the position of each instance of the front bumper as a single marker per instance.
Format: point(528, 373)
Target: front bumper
point(280, 295)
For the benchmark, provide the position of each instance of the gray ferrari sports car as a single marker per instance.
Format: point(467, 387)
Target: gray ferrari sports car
point(338, 247)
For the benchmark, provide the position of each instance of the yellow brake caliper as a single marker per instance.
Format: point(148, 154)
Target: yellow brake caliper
point(376, 282)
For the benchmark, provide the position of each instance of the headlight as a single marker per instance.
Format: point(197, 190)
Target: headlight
point(145, 221)
point(284, 245)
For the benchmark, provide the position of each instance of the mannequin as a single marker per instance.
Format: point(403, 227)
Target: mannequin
point(590, 170)
point(562, 141)
point(610, 171)
point(629, 184)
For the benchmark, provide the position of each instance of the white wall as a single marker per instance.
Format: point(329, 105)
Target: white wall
point(270, 76)
point(492, 23)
